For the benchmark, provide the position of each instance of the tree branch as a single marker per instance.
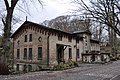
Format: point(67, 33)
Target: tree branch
point(13, 3)
point(6, 4)
point(3, 21)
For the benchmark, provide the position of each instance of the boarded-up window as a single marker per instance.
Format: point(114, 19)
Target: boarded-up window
point(39, 53)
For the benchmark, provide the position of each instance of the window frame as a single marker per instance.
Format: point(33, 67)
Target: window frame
point(25, 53)
point(18, 53)
point(69, 39)
point(30, 56)
point(29, 67)
point(25, 38)
point(70, 53)
point(17, 67)
point(30, 37)
point(39, 54)
point(78, 53)
point(60, 37)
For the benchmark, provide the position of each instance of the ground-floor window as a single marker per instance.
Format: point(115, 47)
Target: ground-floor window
point(30, 54)
point(24, 68)
point(70, 53)
point(18, 53)
point(29, 67)
point(78, 54)
point(17, 67)
point(39, 53)
point(25, 53)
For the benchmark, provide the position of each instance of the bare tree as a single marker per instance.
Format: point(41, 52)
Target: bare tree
point(98, 31)
point(69, 23)
point(10, 6)
point(106, 12)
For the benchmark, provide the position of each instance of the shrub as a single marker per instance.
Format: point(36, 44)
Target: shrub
point(64, 66)
point(4, 69)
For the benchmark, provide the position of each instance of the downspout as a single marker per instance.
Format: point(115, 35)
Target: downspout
point(76, 49)
point(48, 49)
point(13, 55)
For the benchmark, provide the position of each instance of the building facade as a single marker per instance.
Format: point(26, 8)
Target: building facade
point(37, 46)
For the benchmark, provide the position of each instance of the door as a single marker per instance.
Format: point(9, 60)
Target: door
point(60, 53)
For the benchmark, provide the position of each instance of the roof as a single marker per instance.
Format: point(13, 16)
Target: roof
point(82, 31)
point(26, 23)
point(94, 41)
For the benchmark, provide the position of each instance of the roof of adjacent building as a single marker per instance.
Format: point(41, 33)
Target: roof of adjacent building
point(82, 31)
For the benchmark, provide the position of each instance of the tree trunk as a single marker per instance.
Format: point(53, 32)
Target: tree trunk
point(7, 29)
point(6, 35)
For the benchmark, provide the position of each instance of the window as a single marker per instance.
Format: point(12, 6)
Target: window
point(17, 67)
point(86, 51)
point(30, 37)
point(70, 53)
point(30, 53)
point(18, 53)
point(25, 53)
point(25, 68)
point(29, 67)
point(39, 53)
point(60, 38)
point(25, 38)
point(85, 44)
point(77, 41)
point(69, 39)
point(18, 42)
point(78, 54)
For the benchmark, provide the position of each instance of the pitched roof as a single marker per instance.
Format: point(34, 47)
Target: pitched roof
point(82, 31)
point(27, 23)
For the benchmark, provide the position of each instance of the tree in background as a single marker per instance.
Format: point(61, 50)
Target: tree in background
point(7, 20)
point(106, 12)
point(69, 23)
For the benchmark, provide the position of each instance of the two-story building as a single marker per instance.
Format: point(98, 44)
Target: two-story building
point(37, 46)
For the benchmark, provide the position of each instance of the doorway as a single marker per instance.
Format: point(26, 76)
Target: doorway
point(60, 53)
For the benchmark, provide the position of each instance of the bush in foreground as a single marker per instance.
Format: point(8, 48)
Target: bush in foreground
point(68, 65)
point(4, 70)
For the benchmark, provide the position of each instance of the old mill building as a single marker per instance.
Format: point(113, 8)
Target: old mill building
point(37, 46)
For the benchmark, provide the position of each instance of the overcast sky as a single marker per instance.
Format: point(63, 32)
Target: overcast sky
point(50, 10)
